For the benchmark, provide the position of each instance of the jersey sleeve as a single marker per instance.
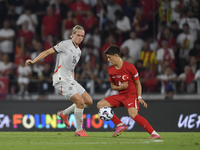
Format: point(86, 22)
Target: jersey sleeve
point(60, 47)
point(110, 77)
point(111, 80)
point(134, 73)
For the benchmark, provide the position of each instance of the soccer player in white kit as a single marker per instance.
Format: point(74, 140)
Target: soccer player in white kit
point(68, 55)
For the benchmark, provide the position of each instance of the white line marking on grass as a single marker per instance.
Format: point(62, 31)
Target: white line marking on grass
point(24, 136)
point(132, 140)
point(94, 143)
point(158, 140)
point(153, 140)
point(84, 143)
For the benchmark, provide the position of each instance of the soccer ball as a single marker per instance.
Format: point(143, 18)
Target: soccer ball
point(105, 113)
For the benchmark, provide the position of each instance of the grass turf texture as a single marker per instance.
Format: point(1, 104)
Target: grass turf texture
point(98, 141)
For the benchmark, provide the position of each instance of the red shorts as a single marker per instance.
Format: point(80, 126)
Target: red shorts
point(127, 101)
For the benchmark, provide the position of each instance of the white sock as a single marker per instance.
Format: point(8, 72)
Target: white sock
point(154, 132)
point(70, 109)
point(79, 118)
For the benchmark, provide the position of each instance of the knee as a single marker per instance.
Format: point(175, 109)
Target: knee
point(132, 112)
point(88, 101)
point(99, 105)
point(80, 103)
point(91, 102)
point(133, 115)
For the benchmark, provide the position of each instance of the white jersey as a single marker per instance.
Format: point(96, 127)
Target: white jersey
point(67, 57)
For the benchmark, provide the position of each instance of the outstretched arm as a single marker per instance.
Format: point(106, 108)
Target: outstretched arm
point(40, 56)
point(139, 91)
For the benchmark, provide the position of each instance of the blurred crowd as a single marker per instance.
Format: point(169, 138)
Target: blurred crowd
point(160, 37)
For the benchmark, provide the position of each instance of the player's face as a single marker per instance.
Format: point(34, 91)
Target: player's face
point(78, 36)
point(112, 59)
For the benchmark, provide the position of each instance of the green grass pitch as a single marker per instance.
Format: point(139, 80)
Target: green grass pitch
point(98, 141)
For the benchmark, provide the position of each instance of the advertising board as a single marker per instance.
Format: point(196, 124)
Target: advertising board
point(165, 116)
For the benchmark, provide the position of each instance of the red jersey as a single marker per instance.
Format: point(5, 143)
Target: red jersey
point(128, 72)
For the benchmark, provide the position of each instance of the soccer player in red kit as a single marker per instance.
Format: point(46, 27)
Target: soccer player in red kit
point(124, 78)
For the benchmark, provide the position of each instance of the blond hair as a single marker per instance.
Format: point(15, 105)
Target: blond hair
point(75, 28)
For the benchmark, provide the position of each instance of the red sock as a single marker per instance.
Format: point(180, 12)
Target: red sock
point(144, 123)
point(116, 120)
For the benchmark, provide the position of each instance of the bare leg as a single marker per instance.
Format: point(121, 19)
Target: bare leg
point(87, 100)
point(103, 103)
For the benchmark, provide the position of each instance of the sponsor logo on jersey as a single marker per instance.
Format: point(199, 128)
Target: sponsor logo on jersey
point(118, 76)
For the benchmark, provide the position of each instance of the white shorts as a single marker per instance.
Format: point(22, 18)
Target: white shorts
point(23, 80)
point(69, 89)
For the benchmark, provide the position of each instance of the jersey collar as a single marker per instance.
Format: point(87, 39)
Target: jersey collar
point(74, 45)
